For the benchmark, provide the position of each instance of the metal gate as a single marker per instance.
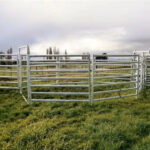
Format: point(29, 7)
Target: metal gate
point(59, 78)
point(144, 68)
point(84, 78)
point(116, 75)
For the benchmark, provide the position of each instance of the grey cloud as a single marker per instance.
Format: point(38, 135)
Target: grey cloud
point(74, 24)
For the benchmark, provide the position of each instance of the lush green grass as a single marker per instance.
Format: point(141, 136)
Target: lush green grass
point(108, 125)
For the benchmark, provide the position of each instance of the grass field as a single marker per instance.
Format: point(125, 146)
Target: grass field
point(107, 125)
point(121, 124)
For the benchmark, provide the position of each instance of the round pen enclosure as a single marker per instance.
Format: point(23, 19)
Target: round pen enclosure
point(84, 78)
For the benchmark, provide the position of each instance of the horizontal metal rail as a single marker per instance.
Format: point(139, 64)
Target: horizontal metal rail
point(59, 100)
point(10, 77)
point(8, 71)
point(75, 73)
point(64, 83)
point(53, 85)
point(115, 97)
point(8, 55)
point(62, 70)
point(116, 90)
point(55, 63)
point(13, 88)
point(115, 83)
point(115, 62)
point(46, 75)
point(109, 55)
point(58, 55)
point(8, 82)
point(113, 65)
point(61, 93)
point(8, 60)
point(120, 69)
point(59, 78)
point(61, 74)
point(118, 74)
point(8, 65)
point(111, 77)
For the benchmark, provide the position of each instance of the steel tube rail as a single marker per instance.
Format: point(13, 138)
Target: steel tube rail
point(8, 55)
point(53, 85)
point(59, 78)
point(120, 74)
point(74, 82)
point(10, 77)
point(58, 55)
point(64, 63)
point(110, 77)
point(8, 82)
point(61, 93)
point(55, 63)
point(8, 71)
point(114, 65)
point(59, 100)
point(55, 60)
point(120, 69)
point(8, 65)
point(108, 55)
point(116, 90)
point(61, 70)
point(115, 62)
point(84, 73)
point(8, 60)
point(64, 83)
point(63, 75)
point(115, 97)
point(13, 88)
point(44, 75)
point(116, 83)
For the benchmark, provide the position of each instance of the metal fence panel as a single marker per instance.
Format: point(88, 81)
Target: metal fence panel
point(9, 71)
point(66, 78)
point(61, 78)
point(117, 76)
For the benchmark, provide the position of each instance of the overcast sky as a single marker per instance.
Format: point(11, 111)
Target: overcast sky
point(75, 25)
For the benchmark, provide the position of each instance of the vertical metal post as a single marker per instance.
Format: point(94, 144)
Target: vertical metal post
point(133, 69)
point(19, 72)
point(141, 72)
point(28, 75)
point(92, 79)
point(57, 68)
point(137, 77)
point(145, 71)
point(89, 62)
point(131, 65)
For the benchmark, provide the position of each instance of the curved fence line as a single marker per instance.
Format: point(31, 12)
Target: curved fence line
point(84, 78)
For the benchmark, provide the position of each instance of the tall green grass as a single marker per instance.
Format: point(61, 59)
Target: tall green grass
point(122, 124)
